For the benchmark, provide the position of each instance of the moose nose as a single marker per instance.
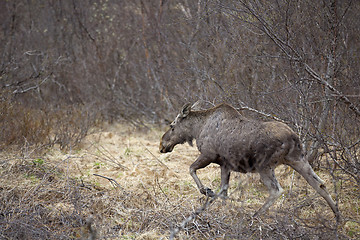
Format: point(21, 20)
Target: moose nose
point(161, 148)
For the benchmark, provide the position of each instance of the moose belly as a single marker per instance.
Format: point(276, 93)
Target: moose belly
point(250, 159)
point(242, 164)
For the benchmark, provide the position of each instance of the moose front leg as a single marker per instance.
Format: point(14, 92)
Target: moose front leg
point(201, 162)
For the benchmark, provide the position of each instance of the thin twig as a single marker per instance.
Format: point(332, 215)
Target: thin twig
point(111, 180)
point(155, 157)
point(193, 215)
point(244, 107)
point(106, 156)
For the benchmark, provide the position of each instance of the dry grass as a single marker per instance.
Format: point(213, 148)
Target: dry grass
point(57, 196)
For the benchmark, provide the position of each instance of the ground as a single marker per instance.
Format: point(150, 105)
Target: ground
point(116, 185)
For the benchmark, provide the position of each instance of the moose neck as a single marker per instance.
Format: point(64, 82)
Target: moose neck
point(195, 123)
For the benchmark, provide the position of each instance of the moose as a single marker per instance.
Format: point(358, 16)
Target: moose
point(225, 137)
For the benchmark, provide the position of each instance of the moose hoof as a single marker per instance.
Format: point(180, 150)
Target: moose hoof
point(224, 196)
point(208, 192)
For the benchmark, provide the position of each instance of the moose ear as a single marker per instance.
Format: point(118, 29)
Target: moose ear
point(196, 106)
point(185, 110)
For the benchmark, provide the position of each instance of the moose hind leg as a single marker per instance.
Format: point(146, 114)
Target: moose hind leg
point(268, 178)
point(304, 169)
point(225, 177)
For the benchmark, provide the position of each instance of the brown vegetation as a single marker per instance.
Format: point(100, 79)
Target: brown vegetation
point(68, 67)
point(22, 125)
point(54, 196)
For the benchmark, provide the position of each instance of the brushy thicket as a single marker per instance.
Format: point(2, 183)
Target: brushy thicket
point(141, 61)
point(22, 125)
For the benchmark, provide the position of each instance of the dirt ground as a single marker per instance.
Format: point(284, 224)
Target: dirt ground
point(117, 185)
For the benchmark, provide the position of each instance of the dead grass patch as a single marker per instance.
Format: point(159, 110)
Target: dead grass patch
point(56, 196)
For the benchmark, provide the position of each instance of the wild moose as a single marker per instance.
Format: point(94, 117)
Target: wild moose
point(225, 137)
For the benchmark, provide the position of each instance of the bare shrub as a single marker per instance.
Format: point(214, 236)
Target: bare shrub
point(70, 124)
point(21, 124)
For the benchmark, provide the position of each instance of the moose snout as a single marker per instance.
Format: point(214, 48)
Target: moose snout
point(165, 149)
point(162, 148)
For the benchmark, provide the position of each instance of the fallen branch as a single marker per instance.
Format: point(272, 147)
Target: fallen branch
point(112, 181)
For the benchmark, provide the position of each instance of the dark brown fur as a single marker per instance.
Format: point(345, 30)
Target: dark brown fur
point(225, 137)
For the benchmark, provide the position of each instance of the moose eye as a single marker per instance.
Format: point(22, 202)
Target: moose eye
point(172, 127)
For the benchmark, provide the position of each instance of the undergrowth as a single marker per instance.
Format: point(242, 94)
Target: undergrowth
point(57, 195)
point(40, 200)
point(21, 124)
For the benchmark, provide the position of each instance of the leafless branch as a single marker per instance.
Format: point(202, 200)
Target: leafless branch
point(111, 180)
